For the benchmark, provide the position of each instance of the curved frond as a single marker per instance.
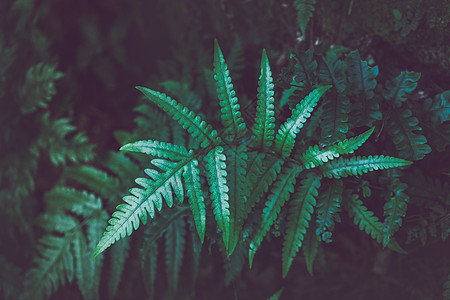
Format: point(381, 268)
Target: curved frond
point(143, 200)
point(394, 209)
point(277, 295)
point(362, 82)
point(402, 126)
point(334, 118)
point(305, 68)
point(156, 148)
point(328, 205)
point(367, 221)
point(398, 88)
point(197, 128)
point(314, 156)
point(285, 138)
point(279, 194)
point(265, 111)
point(217, 179)
point(79, 202)
point(305, 10)
point(300, 211)
point(359, 165)
point(236, 175)
point(194, 192)
point(231, 116)
point(310, 247)
point(331, 71)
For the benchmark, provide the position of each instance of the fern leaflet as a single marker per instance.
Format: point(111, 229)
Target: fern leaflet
point(175, 243)
point(285, 138)
point(305, 10)
point(360, 164)
point(300, 211)
point(231, 116)
point(310, 247)
point(156, 148)
point(265, 120)
point(328, 206)
point(394, 209)
point(397, 88)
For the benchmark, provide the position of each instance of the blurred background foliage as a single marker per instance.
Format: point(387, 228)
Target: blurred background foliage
point(67, 72)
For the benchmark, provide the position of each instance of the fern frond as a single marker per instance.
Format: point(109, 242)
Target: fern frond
point(175, 242)
point(277, 295)
point(437, 112)
point(11, 282)
point(156, 148)
point(398, 88)
point(367, 221)
point(58, 222)
point(328, 205)
point(55, 267)
point(362, 82)
point(191, 177)
point(305, 68)
point(143, 200)
point(402, 127)
point(334, 118)
point(217, 179)
point(236, 174)
point(300, 211)
point(394, 209)
point(285, 138)
point(195, 126)
point(279, 194)
point(265, 111)
point(314, 156)
point(331, 71)
point(264, 177)
point(360, 164)
point(80, 202)
point(310, 247)
point(305, 10)
point(149, 270)
point(231, 116)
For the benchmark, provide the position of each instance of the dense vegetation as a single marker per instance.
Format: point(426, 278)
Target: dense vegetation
point(316, 170)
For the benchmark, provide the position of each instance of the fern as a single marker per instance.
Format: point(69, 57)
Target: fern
point(158, 149)
point(231, 116)
point(362, 82)
point(398, 88)
point(285, 138)
point(175, 243)
point(310, 247)
point(327, 208)
point(302, 207)
point(435, 114)
point(305, 10)
point(264, 121)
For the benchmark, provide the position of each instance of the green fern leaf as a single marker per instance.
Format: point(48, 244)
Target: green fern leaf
point(394, 209)
point(327, 208)
point(279, 194)
point(156, 148)
point(360, 164)
point(367, 221)
point(334, 118)
point(310, 247)
point(437, 115)
point(54, 267)
point(191, 177)
point(175, 243)
point(305, 10)
point(265, 120)
point(231, 116)
point(331, 71)
point(362, 82)
point(300, 211)
point(262, 177)
point(217, 178)
point(277, 295)
point(285, 138)
point(402, 126)
point(143, 200)
point(149, 270)
point(80, 202)
point(197, 128)
point(314, 157)
point(236, 175)
point(398, 88)
point(305, 68)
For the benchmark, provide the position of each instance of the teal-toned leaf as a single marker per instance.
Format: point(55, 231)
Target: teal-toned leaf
point(314, 156)
point(217, 179)
point(398, 88)
point(175, 238)
point(300, 211)
point(334, 123)
point(119, 253)
point(331, 71)
point(359, 165)
point(265, 111)
point(156, 148)
point(231, 116)
point(305, 68)
point(305, 10)
point(277, 295)
point(310, 248)
point(328, 205)
point(285, 138)
point(394, 209)
point(194, 125)
point(194, 192)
